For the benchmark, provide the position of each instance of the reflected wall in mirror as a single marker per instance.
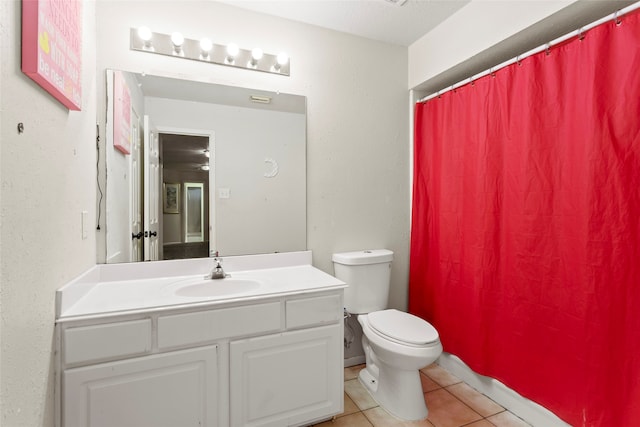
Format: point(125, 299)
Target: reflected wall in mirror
point(211, 168)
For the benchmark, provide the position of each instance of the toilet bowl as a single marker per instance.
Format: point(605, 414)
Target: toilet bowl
point(396, 346)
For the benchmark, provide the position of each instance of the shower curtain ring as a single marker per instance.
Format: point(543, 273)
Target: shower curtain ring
point(616, 18)
point(518, 61)
point(548, 49)
point(581, 34)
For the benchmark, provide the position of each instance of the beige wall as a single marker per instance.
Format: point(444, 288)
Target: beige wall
point(47, 179)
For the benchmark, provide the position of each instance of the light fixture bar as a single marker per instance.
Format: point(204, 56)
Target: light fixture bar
point(218, 54)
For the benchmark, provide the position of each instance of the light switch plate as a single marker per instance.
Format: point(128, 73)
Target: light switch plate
point(85, 225)
point(223, 193)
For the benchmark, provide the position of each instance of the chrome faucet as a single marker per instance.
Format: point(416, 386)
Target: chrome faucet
point(217, 272)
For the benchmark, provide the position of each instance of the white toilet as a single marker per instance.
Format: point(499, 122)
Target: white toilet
point(396, 344)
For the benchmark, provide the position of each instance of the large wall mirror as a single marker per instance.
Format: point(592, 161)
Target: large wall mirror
point(194, 169)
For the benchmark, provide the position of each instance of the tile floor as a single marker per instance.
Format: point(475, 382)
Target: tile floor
point(451, 403)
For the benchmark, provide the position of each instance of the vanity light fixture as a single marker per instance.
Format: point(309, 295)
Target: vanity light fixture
point(176, 45)
point(206, 153)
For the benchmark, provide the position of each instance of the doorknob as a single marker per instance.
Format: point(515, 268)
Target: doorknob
point(137, 236)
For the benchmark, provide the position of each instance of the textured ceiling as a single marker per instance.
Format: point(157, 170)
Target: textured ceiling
point(379, 20)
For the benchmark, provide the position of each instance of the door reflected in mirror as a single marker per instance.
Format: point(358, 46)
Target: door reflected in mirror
point(194, 212)
point(208, 171)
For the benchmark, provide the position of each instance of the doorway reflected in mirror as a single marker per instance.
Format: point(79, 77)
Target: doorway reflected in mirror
point(186, 178)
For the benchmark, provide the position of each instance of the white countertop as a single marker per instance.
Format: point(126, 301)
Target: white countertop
point(107, 290)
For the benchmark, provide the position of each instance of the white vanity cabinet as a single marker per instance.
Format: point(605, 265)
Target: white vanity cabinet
point(293, 377)
point(273, 361)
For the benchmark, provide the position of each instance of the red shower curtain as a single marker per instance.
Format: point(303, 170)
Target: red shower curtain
point(525, 242)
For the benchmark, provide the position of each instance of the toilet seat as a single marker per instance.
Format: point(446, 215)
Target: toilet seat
point(402, 328)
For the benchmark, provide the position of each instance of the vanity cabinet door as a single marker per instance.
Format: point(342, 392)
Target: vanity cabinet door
point(287, 379)
point(163, 390)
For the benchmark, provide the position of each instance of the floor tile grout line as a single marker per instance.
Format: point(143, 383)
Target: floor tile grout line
point(367, 418)
point(468, 424)
point(434, 381)
point(469, 406)
point(482, 417)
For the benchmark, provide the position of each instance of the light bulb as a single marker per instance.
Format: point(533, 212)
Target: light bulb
point(144, 33)
point(204, 167)
point(177, 39)
point(282, 58)
point(256, 53)
point(206, 45)
point(232, 50)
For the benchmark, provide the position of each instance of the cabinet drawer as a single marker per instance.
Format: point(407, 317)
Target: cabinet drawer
point(195, 328)
point(109, 340)
point(313, 311)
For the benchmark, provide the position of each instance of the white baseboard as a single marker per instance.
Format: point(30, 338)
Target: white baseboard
point(353, 361)
point(524, 408)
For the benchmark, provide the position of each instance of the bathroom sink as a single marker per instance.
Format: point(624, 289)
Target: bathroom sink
point(219, 287)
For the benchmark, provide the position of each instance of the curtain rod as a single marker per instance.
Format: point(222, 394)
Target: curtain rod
point(613, 16)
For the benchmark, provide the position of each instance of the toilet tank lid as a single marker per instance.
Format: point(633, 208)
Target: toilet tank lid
point(373, 256)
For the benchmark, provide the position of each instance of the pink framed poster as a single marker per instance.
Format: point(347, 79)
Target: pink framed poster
point(52, 47)
point(121, 113)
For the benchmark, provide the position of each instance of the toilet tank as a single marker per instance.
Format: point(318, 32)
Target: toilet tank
point(368, 274)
